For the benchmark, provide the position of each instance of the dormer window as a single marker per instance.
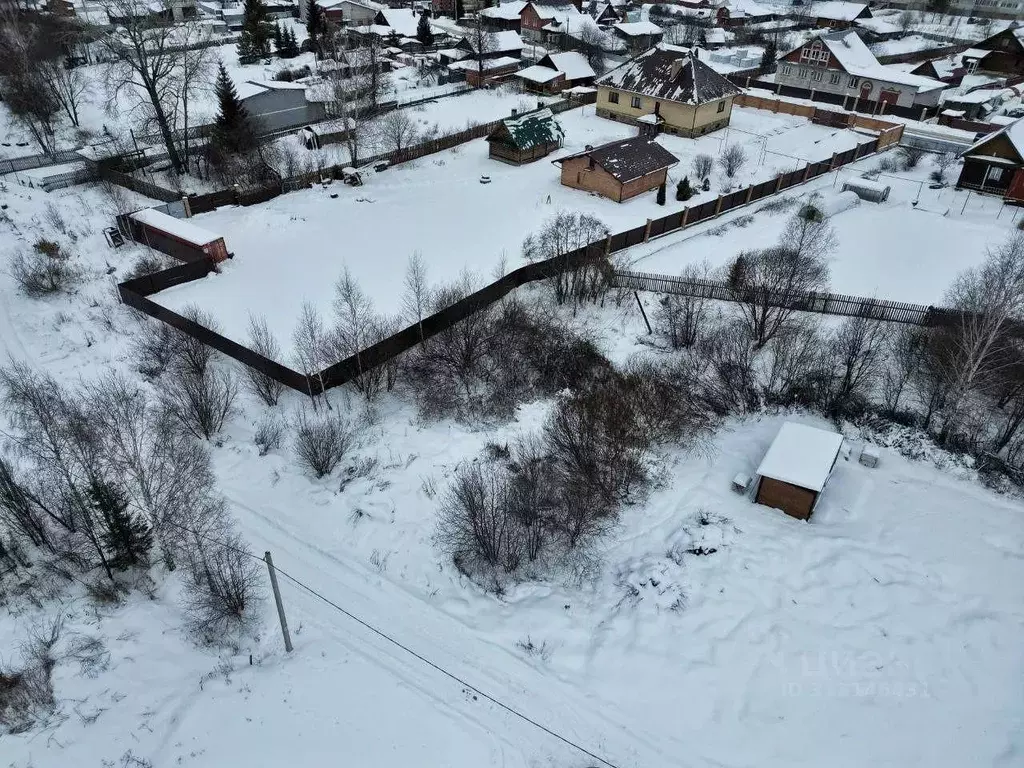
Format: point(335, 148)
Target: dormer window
point(814, 54)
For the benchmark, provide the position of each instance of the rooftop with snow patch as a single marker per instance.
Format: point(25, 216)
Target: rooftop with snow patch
point(671, 73)
point(802, 456)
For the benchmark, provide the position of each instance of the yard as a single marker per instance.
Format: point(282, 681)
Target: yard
point(293, 248)
point(896, 250)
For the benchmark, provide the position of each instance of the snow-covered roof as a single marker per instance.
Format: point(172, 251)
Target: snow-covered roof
point(671, 73)
point(802, 456)
point(538, 74)
point(404, 21)
point(249, 89)
point(853, 55)
point(837, 10)
point(506, 40)
point(574, 65)
point(532, 129)
point(179, 228)
point(472, 65)
point(507, 10)
point(559, 12)
point(978, 96)
point(1014, 132)
point(630, 159)
point(637, 28)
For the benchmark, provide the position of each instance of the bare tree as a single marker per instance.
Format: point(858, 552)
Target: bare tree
point(225, 583)
point(562, 237)
point(907, 348)
point(858, 350)
point(355, 325)
point(702, 165)
point(262, 342)
point(200, 402)
point(311, 342)
point(591, 42)
point(395, 130)
point(416, 297)
point(192, 77)
point(145, 58)
point(26, 94)
point(906, 21)
point(683, 318)
point(732, 159)
point(989, 298)
point(482, 43)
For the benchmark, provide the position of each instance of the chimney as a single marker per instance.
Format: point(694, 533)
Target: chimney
point(677, 67)
point(514, 111)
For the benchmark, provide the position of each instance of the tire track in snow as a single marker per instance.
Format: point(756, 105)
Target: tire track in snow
point(435, 638)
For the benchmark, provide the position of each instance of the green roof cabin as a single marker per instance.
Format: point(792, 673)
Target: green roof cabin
point(524, 138)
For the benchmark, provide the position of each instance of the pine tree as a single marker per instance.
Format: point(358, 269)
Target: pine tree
point(293, 44)
point(279, 44)
point(683, 189)
point(257, 28)
point(126, 537)
point(423, 31)
point(661, 194)
point(314, 23)
point(771, 50)
point(233, 131)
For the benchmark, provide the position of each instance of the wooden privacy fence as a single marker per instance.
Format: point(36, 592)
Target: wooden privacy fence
point(854, 103)
point(15, 164)
point(134, 292)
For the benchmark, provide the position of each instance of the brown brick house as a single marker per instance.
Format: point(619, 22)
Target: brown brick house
point(618, 170)
point(995, 164)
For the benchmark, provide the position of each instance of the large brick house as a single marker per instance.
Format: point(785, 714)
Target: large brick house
point(618, 170)
point(840, 63)
point(681, 93)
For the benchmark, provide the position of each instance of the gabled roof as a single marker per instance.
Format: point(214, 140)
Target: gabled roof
point(837, 10)
point(630, 159)
point(555, 11)
point(574, 65)
point(506, 40)
point(1014, 132)
point(651, 74)
point(802, 456)
point(530, 130)
point(508, 10)
point(637, 28)
point(854, 57)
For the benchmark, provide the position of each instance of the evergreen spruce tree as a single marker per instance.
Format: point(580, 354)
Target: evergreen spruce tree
point(279, 44)
point(256, 27)
point(423, 31)
point(233, 131)
point(292, 44)
point(683, 189)
point(314, 23)
point(661, 194)
point(771, 51)
point(126, 537)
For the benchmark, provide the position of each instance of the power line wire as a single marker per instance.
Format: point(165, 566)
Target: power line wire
point(418, 656)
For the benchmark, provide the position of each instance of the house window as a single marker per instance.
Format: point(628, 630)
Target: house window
point(816, 75)
point(613, 97)
point(853, 82)
point(721, 106)
point(814, 54)
point(786, 69)
point(994, 174)
point(803, 73)
point(834, 78)
point(635, 102)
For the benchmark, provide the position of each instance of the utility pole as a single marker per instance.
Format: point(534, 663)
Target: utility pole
point(277, 599)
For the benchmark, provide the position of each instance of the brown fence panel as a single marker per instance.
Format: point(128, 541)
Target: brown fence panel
point(211, 201)
point(734, 199)
point(635, 236)
point(763, 189)
point(618, 242)
point(138, 185)
point(673, 221)
point(658, 226)
point(846, 157)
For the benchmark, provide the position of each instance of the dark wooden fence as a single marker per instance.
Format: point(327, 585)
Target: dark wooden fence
point(133, 292)
point(15, 164)
point(137, 185)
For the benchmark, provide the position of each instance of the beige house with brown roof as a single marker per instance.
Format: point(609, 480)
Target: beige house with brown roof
point(680, 93)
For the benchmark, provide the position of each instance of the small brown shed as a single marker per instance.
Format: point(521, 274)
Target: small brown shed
point(524, 138)
point(796, 468)
point(176, 237)
point(620, 169)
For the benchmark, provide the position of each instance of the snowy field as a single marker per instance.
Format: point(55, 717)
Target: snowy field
point(293, 248)
point(894, 250)
point(884, 632)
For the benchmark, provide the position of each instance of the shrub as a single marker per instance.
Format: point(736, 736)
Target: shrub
point(702, 165)
point(200, 402)
point(321, 441)
point(147, 264)
point(45, 270)
point(224, 586)
point(268, 434)
point(732, 159)
point(909, 157)
point(683, 190)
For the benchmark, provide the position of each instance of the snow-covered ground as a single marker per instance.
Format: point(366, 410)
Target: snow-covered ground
point(895, 250)
point(886, 631)
point(294, 247)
